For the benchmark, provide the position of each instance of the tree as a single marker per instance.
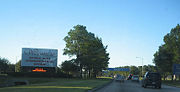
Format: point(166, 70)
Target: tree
point(152, 68)
point(18, 66)
point(172, 43)
point(69, 67)
point(96, 57)
point(168, 53)
point(91, 54)
point(140, 71)
point(11, 68)
point(163, 59)
point(134, 70)
point(149, 68)
point(3, 65)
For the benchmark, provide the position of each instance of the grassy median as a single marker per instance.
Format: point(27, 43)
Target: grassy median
point(56, 85)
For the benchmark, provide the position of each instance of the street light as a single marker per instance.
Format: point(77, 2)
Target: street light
point(142, 63)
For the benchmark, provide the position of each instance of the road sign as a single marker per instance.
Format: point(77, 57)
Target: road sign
point(176, 69)
point(119, 69)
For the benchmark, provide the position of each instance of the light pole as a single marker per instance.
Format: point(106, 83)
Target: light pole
point(142, 63)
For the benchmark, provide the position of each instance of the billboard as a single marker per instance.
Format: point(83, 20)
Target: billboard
point(39, 57)
point(119, 69)
point(176, 69)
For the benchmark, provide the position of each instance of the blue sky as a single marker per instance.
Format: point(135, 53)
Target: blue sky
point(130, 28)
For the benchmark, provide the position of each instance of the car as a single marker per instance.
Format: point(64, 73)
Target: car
point(129, 76)
point(151, 79)
point(119, 78)
point(135, 78)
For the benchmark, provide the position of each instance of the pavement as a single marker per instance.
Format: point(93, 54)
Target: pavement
point(129, 86)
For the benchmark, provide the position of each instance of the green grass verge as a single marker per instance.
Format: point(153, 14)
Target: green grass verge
point(56, 85)
point(171, 83)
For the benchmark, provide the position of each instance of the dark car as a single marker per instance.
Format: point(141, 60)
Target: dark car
point(152, 79)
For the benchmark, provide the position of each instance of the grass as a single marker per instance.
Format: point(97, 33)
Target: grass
point(56, 85)
point(171, 83)
point(37, 80)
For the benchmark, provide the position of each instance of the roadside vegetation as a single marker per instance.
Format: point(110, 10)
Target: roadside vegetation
point(57, 85)
point(135, 70)
point(168, 53)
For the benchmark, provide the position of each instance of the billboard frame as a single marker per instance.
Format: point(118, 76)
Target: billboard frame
point(39, 57)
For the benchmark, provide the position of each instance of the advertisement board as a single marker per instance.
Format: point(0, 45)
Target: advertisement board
point(39, 57)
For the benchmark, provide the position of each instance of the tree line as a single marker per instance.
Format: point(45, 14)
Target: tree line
point(168, 53)
point(6, 66)
point(135, 70)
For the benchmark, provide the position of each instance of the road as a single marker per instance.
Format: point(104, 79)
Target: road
point(129, 86)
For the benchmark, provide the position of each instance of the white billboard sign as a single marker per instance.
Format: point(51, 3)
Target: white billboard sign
point(39, 57)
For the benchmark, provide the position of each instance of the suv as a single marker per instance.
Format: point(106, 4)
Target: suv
point(152, 79)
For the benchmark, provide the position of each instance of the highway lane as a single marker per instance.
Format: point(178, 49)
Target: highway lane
point(129, 86)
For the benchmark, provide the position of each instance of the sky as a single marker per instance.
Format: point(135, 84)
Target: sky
point(130, 28)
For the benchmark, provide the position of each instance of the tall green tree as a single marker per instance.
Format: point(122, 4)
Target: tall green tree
point(91, 54)
point(172, 43)
point(168, 53)
point(3, 65)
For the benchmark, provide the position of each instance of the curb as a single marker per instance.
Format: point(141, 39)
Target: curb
point(102, 86)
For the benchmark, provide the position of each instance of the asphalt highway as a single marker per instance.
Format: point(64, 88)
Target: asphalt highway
point(129, 86)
